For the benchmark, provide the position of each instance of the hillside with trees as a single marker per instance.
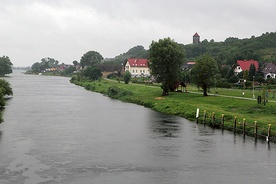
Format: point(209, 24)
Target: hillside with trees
point(262, 48)
point(114, 64)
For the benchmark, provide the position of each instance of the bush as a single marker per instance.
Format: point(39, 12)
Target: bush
point(89, 87)
point(111, 76)
point(116, 92)
point(127, 77)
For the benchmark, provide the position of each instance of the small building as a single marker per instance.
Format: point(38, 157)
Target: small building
point(269, 71)
point(243, 65)
point(196, 38)
point(137, 67)
point(188, 66)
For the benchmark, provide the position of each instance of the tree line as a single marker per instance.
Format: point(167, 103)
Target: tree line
point(5, 88)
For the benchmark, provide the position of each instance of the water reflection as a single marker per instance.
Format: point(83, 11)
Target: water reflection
point(164, 125)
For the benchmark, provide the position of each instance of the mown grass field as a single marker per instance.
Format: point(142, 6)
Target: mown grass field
point(185, 104)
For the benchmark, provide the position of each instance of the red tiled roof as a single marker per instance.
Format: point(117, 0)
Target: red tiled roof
point(138, 62)
point(191, 63)
point(196, 35)
point(245, 64)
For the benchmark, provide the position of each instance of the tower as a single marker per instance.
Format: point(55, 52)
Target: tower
point(196, 38)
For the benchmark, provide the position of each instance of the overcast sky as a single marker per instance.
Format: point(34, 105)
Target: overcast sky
point(66, 29)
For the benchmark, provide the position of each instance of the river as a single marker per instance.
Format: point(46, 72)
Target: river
point(56, 132)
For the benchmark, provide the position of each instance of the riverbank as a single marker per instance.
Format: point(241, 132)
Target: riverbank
point(186, 104)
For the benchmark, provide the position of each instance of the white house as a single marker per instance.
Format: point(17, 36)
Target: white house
point(137, 67)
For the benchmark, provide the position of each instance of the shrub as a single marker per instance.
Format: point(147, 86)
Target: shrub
point(127, 77)
point(116, 92)
point(89, 87)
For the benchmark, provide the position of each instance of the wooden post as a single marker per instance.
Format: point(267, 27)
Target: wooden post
point(256, 130)
point(268, 133)
point(222, 121)
point(244, 125)
point(235, 124)
point(213, 119)
point(197, 114)
point(204, 120)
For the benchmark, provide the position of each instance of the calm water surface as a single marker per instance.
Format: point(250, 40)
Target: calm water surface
point(56, 132)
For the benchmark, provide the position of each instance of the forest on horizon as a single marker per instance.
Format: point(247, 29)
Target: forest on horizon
point(262, 48)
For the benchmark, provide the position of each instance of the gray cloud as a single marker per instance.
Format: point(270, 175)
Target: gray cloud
point(66, 29)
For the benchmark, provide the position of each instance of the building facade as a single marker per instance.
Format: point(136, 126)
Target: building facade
point(137, 67)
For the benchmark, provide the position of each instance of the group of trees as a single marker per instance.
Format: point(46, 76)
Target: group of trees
point(89, 63)
point(5, 88)
point(166, 58)
point(45, 63)
point(5, 65)
point(262, 48)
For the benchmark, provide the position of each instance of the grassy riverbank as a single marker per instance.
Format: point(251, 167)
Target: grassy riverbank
point(185, 104)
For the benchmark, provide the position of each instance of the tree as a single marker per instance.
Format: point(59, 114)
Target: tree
point(5, 65)
point(69, 70)
point(36, 67)
point(204, 72)
point(165, 60)
point(92, 73)
point(127, 77)
point(5, 89)
point(75, 63)
point(252, 72)
point(90, 58)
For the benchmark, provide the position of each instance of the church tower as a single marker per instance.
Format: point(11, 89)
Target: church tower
point(196, 38)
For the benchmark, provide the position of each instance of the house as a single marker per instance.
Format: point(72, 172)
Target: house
point(243, 65)
point(188, 66)
point(137, 67)
point(269, 71)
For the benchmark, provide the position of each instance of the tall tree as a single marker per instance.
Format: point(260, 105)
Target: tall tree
point(204, 72)
point(165, 60)
point(5, 65)
point(252, 72)
point(92, 72)
point(36, 67)
point(90, 58)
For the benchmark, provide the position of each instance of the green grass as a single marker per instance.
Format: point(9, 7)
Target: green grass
point(185, 104)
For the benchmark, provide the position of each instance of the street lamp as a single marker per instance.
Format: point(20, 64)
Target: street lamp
point(253, 87)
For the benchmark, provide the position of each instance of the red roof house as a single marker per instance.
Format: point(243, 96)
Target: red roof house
point(137, 67)
point(243, 65)
point(138, 62)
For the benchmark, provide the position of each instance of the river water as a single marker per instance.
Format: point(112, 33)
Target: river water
point(56, 132)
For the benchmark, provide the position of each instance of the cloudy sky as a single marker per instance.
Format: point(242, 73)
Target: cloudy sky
point(66, 29)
